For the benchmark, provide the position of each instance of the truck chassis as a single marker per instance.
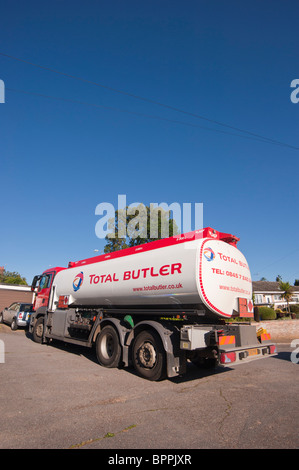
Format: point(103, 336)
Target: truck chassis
point(157, 345)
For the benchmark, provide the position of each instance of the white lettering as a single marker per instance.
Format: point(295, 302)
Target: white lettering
point(171, 459)
point(107, 219)
point(294, 95)
point(294, 354)
point(2, 352)
point(119, 460)
point(2, 92)
point(139, 221)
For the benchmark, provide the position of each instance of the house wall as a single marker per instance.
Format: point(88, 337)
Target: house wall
point(273, 298)
point(12, 293)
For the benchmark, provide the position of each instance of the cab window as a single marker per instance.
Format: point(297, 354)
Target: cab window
point(45, 282)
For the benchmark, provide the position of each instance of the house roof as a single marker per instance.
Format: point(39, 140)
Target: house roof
point(267, 286)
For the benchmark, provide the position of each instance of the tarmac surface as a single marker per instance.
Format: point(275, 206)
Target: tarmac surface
point(58, 397)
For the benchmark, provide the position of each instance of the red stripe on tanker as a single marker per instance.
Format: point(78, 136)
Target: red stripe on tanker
point(203, 272)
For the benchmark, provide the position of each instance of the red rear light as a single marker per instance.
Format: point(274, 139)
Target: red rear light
point(272, 349)
point(227, 358)
point(21, 315)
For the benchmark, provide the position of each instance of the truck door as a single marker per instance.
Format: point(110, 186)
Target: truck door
point(43, 290)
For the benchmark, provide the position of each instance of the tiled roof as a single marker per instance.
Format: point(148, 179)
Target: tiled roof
point(267, 286)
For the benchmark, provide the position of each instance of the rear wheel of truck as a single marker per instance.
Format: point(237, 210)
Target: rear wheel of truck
point(38, 330)
point(108, 349)
point(148, 356)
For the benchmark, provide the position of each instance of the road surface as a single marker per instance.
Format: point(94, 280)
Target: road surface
point(58, 397)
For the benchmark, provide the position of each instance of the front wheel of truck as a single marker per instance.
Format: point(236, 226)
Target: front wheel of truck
point(38, 330)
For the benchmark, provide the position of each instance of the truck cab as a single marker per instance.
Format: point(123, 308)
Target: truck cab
point(41, 286)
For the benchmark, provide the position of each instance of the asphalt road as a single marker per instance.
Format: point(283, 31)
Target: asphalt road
point(59, 397)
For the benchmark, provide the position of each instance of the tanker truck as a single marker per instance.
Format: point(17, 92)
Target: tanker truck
point(155, 306)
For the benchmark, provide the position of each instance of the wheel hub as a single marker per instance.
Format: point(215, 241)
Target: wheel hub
point(147, 355)
point(39, 331)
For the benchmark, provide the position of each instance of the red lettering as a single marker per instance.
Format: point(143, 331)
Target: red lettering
point(152, 273)
point(96, 279)
point(108, 278)
point(144, 271)
point(176, 267)
point(135, 276)
point(164, 271)
point(91, 276)
point(217, 271)
point(127, 275)
point(114, 277)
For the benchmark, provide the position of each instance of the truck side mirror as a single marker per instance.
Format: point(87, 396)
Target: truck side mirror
point(34, 282)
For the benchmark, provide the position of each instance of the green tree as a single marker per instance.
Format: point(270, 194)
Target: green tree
point(12, 277)
point(296, 283)
point(287, 292)
point(138, 225)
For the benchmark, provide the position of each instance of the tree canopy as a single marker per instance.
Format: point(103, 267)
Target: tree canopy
point(138, 225)
point(12, 277)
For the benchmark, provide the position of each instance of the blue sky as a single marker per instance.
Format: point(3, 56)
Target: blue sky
point(230, 62)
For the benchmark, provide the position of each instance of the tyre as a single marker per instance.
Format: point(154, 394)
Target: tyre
point(38, 330)
point(14, 325)
point(108, 349)
point(148, 356)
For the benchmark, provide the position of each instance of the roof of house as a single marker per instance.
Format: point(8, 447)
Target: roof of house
point(267, 286)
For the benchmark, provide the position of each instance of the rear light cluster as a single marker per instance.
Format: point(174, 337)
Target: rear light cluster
point(229, 357)
point(226, 358)
point(272, 349)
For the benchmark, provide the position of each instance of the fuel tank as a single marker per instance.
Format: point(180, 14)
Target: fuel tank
point(202, 269)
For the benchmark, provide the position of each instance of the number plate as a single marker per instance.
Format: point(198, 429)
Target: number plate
point(253, 352)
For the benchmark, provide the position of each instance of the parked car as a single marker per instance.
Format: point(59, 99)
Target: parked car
point(17, 314)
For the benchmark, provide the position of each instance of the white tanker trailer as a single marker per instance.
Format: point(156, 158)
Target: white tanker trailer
point(155, 306)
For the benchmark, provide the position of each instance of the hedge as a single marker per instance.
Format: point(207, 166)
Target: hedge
point(267, 313)
point(294, 308)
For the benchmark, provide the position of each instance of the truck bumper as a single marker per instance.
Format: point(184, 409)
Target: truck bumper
point(240, 355)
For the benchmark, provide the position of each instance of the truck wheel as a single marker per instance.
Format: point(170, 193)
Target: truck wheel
point(14, 325)
point(149, 356)
point(38, 330)
point(108, 349)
